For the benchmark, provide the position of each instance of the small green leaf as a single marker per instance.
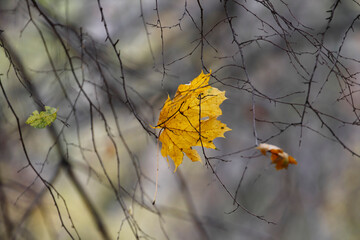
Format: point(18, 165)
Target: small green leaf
point(42, 119)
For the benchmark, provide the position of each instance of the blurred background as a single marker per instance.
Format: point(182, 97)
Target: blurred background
point(290, 72)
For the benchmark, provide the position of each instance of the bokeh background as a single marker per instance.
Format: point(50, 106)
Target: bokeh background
point(290, 72)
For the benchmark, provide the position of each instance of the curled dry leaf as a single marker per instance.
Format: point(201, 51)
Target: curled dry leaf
point(190, 120)
point(278, 156)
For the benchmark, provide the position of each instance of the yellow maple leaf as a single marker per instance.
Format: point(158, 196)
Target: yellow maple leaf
point(191, 114)
point(278, 157)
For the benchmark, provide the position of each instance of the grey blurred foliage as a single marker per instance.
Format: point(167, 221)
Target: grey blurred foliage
point(290, 72)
